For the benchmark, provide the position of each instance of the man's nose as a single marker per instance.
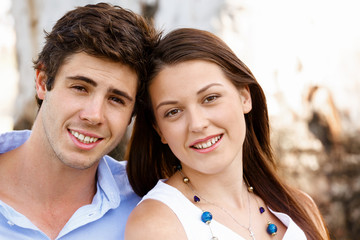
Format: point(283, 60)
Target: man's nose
point(93, 111)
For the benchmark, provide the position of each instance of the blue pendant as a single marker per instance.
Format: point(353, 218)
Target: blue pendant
point(196, 199)
point(206, 217)
point(271, 229)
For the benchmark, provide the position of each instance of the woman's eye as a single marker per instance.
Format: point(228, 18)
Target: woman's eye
point(210, 98)
point(172, 112)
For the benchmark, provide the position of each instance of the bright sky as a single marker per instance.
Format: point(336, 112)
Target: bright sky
point(276, 38)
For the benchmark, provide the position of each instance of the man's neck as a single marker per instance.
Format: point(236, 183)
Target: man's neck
point(47, 194)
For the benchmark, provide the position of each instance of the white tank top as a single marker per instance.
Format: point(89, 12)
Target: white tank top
point(190, 217)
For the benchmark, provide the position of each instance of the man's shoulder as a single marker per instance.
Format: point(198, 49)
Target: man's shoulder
point(13, 139)
point(15, 133)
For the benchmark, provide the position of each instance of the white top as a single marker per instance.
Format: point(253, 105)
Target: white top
point(190, 216)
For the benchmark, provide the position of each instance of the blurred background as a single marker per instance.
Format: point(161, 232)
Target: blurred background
point(305, 54)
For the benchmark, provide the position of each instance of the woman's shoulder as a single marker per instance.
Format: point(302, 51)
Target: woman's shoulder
point(152, 219)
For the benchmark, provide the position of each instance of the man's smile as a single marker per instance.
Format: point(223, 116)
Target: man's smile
point(83, 138)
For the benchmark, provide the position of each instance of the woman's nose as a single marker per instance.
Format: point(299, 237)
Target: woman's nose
point(197, 120)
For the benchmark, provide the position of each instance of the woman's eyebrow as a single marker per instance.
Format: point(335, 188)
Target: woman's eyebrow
point(207, 87)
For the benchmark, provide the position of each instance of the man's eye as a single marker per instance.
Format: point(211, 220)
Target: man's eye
point(172, 112)
point(79, 88)
point(117, 100)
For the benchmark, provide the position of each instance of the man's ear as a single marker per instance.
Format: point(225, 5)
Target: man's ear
point(245, 98)
point(163, 140)
point(40, 82)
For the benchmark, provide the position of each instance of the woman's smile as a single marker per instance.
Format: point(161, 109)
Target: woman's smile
point(205, 144)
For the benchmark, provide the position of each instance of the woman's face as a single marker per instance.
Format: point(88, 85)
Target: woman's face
point(200, 115)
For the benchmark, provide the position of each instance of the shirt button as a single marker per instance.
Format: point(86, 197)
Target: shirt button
point(10, 223)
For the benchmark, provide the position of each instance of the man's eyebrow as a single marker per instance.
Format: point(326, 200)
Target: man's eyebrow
point(121, 93)
point(84, 79)
point(93, 83)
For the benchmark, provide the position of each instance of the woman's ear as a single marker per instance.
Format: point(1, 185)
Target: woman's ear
point(40, 82)
point(245, 98)
point(160, 134)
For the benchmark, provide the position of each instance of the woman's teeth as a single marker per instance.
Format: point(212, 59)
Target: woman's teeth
point(82, 138)
point(208, 143)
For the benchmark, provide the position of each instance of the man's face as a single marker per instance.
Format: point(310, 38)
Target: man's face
point(87, 111)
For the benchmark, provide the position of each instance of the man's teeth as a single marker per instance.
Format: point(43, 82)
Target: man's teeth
point(207, 144)
point(82, 138)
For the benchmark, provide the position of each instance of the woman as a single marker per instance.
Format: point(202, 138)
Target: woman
point(201, 143)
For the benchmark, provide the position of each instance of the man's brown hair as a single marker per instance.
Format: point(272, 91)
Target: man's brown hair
point(101, 30)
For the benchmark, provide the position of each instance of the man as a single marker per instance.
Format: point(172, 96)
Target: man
point(55, 181)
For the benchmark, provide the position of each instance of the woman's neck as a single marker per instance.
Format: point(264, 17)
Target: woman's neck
point(212, 188)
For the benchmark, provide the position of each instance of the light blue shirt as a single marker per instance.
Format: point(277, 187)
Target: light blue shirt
point(104, 218)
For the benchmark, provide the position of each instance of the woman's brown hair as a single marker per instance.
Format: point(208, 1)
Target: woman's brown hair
point(149, 160)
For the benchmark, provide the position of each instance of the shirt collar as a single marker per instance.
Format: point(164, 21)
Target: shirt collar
point(107, 186)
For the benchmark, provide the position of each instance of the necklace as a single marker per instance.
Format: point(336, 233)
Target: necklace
point(206, 217)
point(271, 228)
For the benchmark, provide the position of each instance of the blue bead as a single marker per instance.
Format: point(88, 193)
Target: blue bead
point(262, 210)
point(196, 199)
point(206, 217)
point(271, 229)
